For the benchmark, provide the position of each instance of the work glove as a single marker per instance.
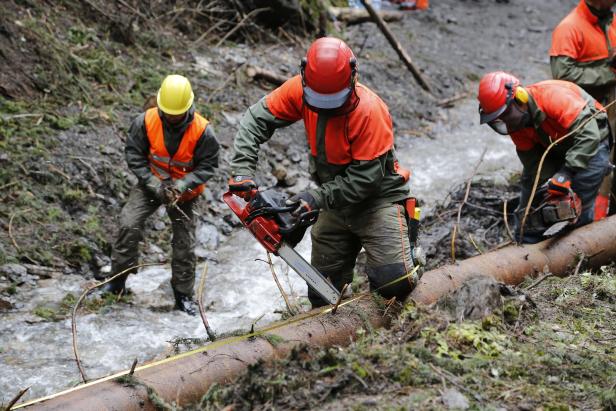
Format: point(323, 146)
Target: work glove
point(242, 186)
point(304, 202)
point(180, 185)
point(560, 183)
point(166, 193)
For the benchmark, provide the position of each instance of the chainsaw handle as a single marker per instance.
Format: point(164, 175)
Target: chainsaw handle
point(303, 220)
point(267, 211)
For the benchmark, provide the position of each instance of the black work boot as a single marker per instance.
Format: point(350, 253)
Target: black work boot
point(185, 303)
point(116, 286)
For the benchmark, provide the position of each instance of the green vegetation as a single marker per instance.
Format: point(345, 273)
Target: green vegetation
point(558, 355)
point(91, 304)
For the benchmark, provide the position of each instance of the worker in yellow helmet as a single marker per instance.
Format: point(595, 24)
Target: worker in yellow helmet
point(173, 151)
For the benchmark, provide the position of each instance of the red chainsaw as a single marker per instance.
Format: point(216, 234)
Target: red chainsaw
point(555, 212)
point(267, 216)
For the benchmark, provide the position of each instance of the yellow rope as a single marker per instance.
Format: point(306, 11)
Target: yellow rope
point(216, 344)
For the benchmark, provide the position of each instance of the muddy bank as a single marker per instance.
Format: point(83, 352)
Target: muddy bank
point(481, 226)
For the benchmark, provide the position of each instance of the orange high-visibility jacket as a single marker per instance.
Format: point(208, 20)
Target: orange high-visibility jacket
point(363, 134)
point(560, 103)
point(580, 37)
point(161, 163)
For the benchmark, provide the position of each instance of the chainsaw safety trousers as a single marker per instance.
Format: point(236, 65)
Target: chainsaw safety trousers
point(176, 167)
point(338, 237)
point(125, 253)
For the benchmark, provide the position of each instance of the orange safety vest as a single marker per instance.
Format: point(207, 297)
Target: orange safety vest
point(561, 102)
point(162, 164)
point(580, 37)
point(363, 134)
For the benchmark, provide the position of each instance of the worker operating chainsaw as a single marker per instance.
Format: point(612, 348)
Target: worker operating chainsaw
point(362, 192)
point(534, 117)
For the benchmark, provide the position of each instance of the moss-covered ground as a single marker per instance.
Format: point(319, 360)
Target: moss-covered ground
point(554, 349)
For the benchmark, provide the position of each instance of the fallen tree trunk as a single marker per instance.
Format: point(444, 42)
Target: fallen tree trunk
point(352, 16)
point(257, 73)
point(189, 375)
point(596, 242)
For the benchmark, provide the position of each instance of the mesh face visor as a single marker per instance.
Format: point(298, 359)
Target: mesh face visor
point(488, 117)
point(492, 120)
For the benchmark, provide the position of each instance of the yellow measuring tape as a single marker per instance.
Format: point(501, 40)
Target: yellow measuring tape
point(216, 344)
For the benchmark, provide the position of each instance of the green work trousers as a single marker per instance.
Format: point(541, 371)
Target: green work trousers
point(125, 253)
point(338, 236)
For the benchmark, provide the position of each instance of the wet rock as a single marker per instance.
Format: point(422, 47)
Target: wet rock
point(159, 225)
point(101, 260)
point(477, 298)
point(208, 195)
point(208, 236)
point(232, 220)
point(294, 155)
point(17, 273)
point(13, 271)
point(280, 172)
point(233, 119)
point(109, 150)
point(5, 304)
point(454, 400)
point(157, 252)
point(291, 179)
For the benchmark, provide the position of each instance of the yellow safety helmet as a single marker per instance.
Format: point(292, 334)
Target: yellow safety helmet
point(175, 95)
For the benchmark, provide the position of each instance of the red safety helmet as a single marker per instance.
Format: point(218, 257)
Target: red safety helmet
point(496, 92)
point(328, 73)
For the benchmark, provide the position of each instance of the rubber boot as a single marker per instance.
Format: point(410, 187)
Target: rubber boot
point(116, 286)
point(185, 303)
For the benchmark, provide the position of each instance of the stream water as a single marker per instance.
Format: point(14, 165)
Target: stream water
point(240, 290)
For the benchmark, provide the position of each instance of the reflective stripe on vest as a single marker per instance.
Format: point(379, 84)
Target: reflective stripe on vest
point(162, 164)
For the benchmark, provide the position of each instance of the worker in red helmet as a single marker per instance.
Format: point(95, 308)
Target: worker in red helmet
point(544, 112)
point(360, 188)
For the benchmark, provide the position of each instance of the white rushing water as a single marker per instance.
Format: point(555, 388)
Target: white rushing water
point(239, 290)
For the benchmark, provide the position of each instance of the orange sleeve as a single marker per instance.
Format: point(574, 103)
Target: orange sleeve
point(375, 134)
point(285, 102)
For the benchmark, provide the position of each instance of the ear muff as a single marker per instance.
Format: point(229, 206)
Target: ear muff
point(521, 95)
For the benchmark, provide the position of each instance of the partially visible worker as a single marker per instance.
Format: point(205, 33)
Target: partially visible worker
point(583, 47)
point(173, 151)
point(582, 52)
point(361, 189)
point(539, 114)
